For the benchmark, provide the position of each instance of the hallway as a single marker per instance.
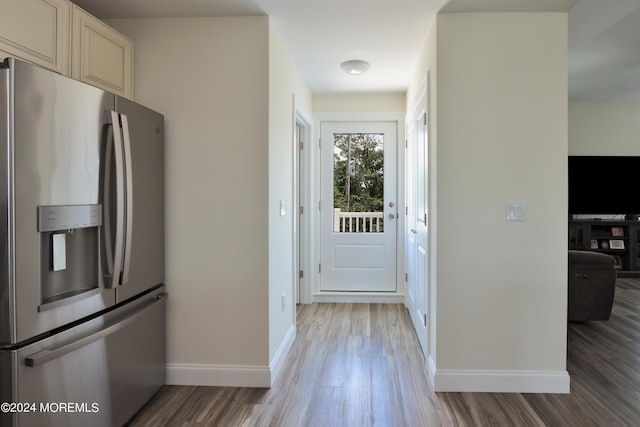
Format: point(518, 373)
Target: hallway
point(350, 365)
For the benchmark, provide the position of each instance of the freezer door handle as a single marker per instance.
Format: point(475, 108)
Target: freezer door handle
point(48, 355)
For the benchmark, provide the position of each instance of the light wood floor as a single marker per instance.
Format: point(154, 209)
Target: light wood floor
point(358, 365)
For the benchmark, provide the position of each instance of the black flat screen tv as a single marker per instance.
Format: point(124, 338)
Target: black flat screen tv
point(604, 185)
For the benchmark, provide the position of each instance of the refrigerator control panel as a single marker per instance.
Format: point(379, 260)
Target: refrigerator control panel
point(65, 217)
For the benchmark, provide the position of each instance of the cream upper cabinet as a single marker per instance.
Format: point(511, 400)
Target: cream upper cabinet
point(37, 31)
point(101, 56)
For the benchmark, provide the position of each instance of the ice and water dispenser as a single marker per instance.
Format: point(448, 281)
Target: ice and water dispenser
point(69, 251)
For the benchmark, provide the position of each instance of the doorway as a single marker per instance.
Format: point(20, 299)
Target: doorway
point(358, 223)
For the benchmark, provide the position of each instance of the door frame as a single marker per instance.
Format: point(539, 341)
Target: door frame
point(312, 175)
point(301, 222)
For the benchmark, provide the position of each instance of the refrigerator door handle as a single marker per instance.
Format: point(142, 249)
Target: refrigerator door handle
point(45, 356)
point(107, 220)
point(129, 199)
point(120, 196)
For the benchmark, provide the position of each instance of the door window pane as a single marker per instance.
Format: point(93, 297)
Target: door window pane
point(358, 182)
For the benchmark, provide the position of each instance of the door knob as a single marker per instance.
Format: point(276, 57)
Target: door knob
point(391, 216)
point(391, 204)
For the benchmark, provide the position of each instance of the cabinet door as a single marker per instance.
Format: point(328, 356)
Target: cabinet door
point(37, 31)
point(100, 55)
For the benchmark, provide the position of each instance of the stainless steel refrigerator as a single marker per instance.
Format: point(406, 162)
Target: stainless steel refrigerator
point(82, 294)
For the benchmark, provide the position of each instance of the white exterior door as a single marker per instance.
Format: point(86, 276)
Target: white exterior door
point(358, 206)
point(417, 248)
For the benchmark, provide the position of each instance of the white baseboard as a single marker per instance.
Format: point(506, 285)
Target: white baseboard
point(231, 375)
point(473, 381)
point(218, 375)
point(431, 371)
point(281, 354)
point(358, 298)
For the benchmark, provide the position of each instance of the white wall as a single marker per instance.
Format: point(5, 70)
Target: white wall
point(288, 94)
point(210, 77)
point(604, 129)
point(502, 136)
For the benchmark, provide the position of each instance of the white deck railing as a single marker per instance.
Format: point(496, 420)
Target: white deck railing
point(357, 222)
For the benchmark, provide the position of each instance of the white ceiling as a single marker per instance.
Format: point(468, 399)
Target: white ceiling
point(604, 37)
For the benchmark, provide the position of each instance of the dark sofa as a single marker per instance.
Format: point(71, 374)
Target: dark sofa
point(592, 284)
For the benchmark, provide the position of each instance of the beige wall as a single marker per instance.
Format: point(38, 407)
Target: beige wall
point(501, 129)
point(502, 136)
point(210, 77)
point(229, 112)
point(359, 103)
point(604, 128)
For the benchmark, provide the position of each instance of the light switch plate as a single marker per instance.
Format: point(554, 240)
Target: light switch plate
point(516, 211)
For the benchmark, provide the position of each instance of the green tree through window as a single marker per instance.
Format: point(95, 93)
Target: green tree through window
point(358, 175)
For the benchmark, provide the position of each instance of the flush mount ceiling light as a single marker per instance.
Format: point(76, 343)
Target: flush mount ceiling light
point(355, 66)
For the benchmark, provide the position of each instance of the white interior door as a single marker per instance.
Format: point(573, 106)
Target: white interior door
point(411, 243)
point(417, 224)
point(358, 206)
point(421, 231)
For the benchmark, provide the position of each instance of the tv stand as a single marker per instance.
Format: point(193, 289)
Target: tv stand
point(618, 238)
